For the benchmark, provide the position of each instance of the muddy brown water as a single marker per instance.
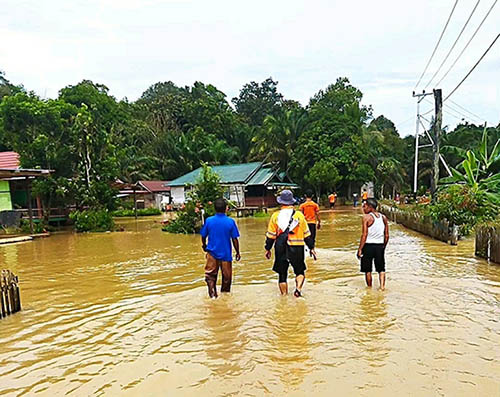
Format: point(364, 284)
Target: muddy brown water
point(127, 314)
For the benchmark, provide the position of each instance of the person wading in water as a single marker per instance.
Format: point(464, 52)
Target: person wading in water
point(374, 239)
point(288, 231)
point(311, 212)
point(220, 231)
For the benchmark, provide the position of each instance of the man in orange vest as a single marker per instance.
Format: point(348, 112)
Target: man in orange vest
point(332, 198)
point(311, 212)
point(364, 196)
point(288, 232)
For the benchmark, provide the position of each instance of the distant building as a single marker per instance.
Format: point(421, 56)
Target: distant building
point(148, 194)
point(246, 185)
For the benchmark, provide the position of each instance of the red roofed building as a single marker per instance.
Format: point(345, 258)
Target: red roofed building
point(148, 194)
point(9, 160)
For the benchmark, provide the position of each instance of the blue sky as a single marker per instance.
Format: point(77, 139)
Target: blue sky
point(381, 46)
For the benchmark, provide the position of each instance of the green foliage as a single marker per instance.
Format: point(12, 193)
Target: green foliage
point(38, 227)
point(463, 206)
point(479, 170)
point(324, 176)
point(140, 212)
point(204, 192)
point(258, 101)
point(92, 220)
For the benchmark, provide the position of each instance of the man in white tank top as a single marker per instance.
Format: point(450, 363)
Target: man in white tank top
point(374, 239)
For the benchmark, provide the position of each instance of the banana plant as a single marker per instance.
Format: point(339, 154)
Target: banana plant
point(479, 169)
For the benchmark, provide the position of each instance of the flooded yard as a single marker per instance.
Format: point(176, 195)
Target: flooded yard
point(127, 313)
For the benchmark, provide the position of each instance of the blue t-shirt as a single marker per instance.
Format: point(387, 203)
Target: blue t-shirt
point(220, 229)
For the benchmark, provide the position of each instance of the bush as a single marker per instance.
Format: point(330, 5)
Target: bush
point(205, 191)
point(38, 227)
point(140, 212)
point(187, 221)
point(92, 220)
point(463, 206)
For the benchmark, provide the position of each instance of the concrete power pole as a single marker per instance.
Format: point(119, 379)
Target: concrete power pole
point(438, 107)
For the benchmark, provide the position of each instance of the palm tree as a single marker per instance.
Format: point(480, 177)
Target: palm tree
point(279, 135)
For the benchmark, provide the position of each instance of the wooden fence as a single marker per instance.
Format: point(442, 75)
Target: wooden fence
point(441, 231)
point(488, 242)
point(10, 300)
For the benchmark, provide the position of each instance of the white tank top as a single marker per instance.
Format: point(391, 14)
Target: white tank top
point(376, 231)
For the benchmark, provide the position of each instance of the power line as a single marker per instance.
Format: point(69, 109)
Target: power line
point(464, 115)
point(468, 43)
point(468, 111)
point(477, 63)
point(455, 113)
point(454, 44)
point(437, 44)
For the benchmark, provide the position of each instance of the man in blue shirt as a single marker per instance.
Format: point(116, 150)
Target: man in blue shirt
point(220, 231)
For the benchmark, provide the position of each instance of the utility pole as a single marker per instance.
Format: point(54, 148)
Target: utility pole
point(438, 108)
point(420, 98)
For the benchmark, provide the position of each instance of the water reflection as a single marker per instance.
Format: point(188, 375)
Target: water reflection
point(370, 323)
point(225, 341)
point(289, 345)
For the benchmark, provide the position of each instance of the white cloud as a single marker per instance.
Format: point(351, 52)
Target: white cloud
point(382, 46)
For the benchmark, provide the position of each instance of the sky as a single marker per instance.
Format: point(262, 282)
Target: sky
point(381, 46)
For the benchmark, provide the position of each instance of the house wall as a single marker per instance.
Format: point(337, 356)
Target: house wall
point(5, 200)
point(236, 194)
point(178, 197)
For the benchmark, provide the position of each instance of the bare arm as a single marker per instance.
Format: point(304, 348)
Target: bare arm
point(236, 245)
point(386, 233)
point(204, 243)
point(364, 235)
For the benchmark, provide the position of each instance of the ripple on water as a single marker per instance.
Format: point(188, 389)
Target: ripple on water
point(127, 314)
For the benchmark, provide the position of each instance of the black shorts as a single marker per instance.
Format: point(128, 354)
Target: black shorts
point(373, 253)
point(312, 229)
point(294, 257)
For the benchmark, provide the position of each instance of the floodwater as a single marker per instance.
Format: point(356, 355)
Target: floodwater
point(127, 314)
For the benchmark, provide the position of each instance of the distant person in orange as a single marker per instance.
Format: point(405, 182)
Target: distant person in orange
point(332, 198)
point(311, 212)
point(364, 196)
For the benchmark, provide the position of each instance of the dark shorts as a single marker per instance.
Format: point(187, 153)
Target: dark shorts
point(312, 229)
point(294, 257)
point(373, 253)
point(332, 204)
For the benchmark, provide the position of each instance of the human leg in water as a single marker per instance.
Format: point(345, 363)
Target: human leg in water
point(381, 277)
point(368, 278)
point(299, 283)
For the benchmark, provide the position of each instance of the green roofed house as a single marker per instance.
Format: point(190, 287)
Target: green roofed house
point(246, 185)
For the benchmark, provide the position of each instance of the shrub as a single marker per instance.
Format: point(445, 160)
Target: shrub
point(140, 212)
point(92, 220)
point(463, 206)
point(205, 191)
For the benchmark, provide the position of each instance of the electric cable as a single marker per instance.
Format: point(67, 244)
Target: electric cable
point(468, 43)
point(437, 44)
point(474, 67)
point(453, 46)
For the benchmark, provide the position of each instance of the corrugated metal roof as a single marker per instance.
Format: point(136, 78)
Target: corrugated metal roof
point(262, 176)
point(9, 160)
point(156, 186)
point(234, 173)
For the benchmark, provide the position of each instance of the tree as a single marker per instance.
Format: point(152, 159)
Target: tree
point(40, 131)
point(323, 176)
point(278, 138)
point(257, 101)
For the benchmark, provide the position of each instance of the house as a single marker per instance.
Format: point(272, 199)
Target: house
point(15, 190)
point(246, 185)
point(158, 193)
point(147, 194)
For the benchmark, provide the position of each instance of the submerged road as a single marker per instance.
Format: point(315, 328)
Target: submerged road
point(127, 314)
